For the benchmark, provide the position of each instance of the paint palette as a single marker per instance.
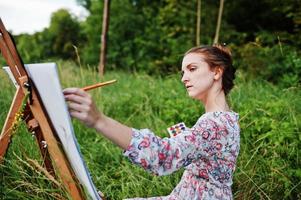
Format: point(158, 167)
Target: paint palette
point(176, 129)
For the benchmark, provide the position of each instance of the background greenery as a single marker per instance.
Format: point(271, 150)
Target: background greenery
point(146, 42)
point(151, 36)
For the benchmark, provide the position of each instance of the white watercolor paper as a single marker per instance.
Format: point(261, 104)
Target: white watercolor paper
point(45, 78)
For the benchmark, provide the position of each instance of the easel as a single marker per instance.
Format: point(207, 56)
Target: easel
point(36, 120)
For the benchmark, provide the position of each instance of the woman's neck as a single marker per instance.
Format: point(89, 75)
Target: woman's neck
point(215, 100)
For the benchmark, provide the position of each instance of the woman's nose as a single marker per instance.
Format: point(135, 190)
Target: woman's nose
point(184, 78)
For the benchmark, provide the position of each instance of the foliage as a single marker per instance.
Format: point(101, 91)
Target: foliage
point(269, 141)
point(92, 29)
point(279, 64)
point(136, 45)
point(64, 32)
point(30, 48)
point(269, 161)
point(151, 36)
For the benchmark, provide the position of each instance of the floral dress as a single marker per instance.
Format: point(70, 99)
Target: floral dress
point(208, 152)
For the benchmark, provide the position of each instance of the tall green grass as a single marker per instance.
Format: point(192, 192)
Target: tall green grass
point(268, 165)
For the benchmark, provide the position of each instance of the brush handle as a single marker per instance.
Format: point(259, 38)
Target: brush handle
point(90, 87)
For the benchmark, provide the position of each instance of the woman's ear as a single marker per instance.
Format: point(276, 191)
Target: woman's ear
point(218, 73)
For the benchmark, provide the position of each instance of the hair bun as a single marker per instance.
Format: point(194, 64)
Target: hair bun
point(223, 47)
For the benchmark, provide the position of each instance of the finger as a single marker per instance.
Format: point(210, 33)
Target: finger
point(69, 90)
point(76, 91)
point(80, 116)
point(78, 107)
point(77, 115)
point(77, 99)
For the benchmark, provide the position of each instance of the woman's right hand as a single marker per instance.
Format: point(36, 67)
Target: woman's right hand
point(82, 106)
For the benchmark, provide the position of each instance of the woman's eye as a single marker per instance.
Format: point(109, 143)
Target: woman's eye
point(192, 69)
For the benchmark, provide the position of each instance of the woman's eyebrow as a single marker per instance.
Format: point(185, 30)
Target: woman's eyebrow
point(190, 65)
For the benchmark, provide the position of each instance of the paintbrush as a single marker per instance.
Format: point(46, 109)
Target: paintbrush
point(90, 87)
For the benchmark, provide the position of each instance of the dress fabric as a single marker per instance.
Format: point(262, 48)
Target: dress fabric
point(208, 152)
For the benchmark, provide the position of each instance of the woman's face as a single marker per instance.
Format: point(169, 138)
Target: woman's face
point(197, 76)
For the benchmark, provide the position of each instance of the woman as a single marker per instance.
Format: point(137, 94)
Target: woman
point(208, 151)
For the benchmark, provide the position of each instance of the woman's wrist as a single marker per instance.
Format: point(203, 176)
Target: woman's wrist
point(99, 122)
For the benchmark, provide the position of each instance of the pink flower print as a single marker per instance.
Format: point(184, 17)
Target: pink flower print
point(166, 145)
point(201, 189)
point(229, 120)
point(143, 163)
point(194, 131)
point(177, 154)
point(190, 138)
point(205, 135)
point(218, 146)
point(214, 127)
point(216, 136)
point(231, 165)
point(144, 144)
point(162, 156)
point(203, 174)
point(222, 133)
point(168, 163)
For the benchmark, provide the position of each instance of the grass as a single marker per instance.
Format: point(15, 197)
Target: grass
point(268, 165)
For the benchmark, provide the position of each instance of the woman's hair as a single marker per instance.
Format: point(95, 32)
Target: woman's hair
point(218, 55)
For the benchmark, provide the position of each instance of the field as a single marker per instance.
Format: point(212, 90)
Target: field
point(269, 163)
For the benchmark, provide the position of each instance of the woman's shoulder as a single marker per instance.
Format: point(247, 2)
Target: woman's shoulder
point(218, 118)
point(219, 114)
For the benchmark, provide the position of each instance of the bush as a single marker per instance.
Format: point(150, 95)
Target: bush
point(278, 64)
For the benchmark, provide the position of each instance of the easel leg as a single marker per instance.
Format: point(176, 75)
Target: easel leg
point(33, 127)
point(9, 122)
point(44, 153)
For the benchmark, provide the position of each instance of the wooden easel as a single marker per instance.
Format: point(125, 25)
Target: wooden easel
point(36, 120)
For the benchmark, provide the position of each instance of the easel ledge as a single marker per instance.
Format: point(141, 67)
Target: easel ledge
point(36, 119)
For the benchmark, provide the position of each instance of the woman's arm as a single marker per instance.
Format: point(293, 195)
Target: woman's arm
point(83, 108)
point(160, 156)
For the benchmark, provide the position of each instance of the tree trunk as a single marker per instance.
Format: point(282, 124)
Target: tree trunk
point(198, 23)
point(219, 19)
point(105, 27)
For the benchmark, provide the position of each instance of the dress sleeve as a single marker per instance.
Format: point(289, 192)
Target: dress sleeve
point(162, 156)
